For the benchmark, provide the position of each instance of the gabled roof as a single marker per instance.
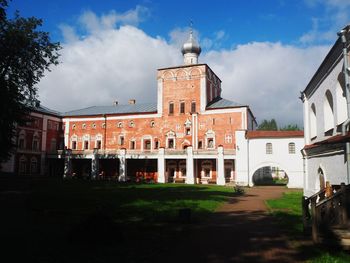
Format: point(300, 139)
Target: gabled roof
point(114, 109)
point(45, 110)
point(274, 134)
point(220, 103)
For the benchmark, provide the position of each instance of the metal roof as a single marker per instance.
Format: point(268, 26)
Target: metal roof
point(223, 103)
point(45, 110)
point(114, 109)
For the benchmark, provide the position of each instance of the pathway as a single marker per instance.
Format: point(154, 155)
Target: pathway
point(240, 231)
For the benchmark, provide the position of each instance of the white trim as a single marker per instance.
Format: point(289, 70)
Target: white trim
point(146, 137)
point(227, 110)
point(42, 115)
point(125, 117)
point(160, 96)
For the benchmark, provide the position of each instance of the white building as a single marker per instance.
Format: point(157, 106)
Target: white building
point(281, 150)
point(326, 120)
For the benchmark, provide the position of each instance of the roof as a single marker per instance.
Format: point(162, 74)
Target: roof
point(339, 138)
point(45, 110)
point(221, 103)
point(274, 134)
point(114, 109)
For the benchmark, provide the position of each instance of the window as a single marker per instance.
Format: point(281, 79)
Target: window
point(93, 125)
point(313, 121)
point(291, 147)
point(21, 143)
point(132, 145)
point(268, 148)
point(152, 124)
point(104, 125)
point(182, 107)
point(171, 144)
point(193, 107)
point(328, 113)
point(131, 124)
point(121, 140)
point(53, 145)
point(73, 127)
point(74, 145)
point(35, 145)
point(120, 125)
point(210, 143)
point(171, 108)
point(33, 166)
point(98, 144)
point(147, 144)
point(22, 165)
point(213, 120)
point(156, 144)
point(86, 145)
point(188, 131)
point(83, 126)
point(200, 145)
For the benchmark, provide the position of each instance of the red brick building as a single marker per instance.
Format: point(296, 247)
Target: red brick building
point(187, 136)
point(37, 144)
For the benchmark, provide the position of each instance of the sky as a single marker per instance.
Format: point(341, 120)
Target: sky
point(265, 52)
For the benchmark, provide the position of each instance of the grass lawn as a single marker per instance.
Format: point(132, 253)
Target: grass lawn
point(288, 211)
point(84, 221)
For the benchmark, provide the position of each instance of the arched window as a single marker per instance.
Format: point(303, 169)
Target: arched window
point(22, 165)
point(120, 124)
point(328, 111)
point(98, 141)
point(268, 148)
point(340, 99)
point(291, 147)
point(35, 143)
point(22, 140)
point(210, 139)
point(313, 121)
point(86, 142)
point(33, 165)
point(74, 142)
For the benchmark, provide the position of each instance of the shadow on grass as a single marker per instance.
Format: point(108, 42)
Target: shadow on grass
point(84, 221)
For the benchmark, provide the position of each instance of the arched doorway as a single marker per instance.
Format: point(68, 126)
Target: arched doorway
point(270, 175)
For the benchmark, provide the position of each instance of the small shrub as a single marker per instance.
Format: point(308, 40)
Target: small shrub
point(238, 189)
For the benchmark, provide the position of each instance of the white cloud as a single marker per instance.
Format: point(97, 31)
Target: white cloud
point(120, 63)
point(267, 76)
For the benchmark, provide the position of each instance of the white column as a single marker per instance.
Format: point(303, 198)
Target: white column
point(189, 166)
point(122, 165)
point(94, 164)
point(161, 166)
point(220, 180)
point(67, 171)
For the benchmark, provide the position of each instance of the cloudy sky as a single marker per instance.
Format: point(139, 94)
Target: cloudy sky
point(265, 52)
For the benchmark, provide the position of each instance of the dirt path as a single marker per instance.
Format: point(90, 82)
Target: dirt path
point(240, 231)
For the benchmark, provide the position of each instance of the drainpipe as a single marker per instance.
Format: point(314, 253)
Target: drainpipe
point(345, 125)
point(248, 158)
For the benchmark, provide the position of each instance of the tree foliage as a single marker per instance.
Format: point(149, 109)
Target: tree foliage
point(25, 54)
point(290, 127)
point(271, 125)
point(268, 125)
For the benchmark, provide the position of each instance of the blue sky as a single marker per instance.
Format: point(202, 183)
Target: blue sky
point(265, 52)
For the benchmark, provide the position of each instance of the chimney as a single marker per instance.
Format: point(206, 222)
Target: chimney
point(115, 103)
point(132, 101)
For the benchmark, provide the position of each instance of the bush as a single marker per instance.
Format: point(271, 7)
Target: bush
point(238, 189)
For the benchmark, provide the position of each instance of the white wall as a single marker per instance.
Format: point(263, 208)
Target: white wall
point(251, 155)
point(333, 167)
point(318, 98)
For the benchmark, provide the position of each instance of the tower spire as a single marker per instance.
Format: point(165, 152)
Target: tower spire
point(191, 48)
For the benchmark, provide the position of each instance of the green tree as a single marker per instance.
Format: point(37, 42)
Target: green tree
point(268, 125)
point(25, 54)
point(290, 127)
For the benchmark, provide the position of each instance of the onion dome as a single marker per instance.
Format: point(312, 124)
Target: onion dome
point(191, 50)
